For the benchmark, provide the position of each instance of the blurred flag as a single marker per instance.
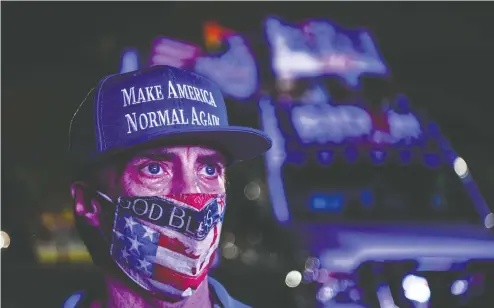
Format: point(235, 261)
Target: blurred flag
point(166, 51)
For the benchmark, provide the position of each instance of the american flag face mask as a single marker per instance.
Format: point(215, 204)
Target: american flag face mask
point(167, 244)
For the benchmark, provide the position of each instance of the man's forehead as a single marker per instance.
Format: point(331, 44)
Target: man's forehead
point(182, 151)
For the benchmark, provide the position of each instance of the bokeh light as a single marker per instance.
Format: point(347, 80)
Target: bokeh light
point(230, 251)
point(460, 167)
point(252, 191)
point(489, 220)
point(4, 239)
point(293, 279)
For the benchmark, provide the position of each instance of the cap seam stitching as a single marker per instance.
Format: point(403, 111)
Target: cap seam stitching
point(102, 140)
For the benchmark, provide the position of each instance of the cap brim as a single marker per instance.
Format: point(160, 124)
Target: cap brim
point(236, 142)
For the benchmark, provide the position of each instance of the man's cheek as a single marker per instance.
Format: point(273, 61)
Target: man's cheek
point(213, 187)
point(159, 187)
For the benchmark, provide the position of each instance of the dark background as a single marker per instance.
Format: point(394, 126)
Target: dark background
point(441, 55)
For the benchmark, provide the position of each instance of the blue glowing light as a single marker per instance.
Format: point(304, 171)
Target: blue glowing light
point(327, 202)
point(325, 157)
point(367, 198)
point(322, 48)
point(73, 300)
point(296, 157)
point(405, 157)
point(437, 201)
point(235, 70)
point(129, 61)
point(378, 156)
point(432, 160)
point(275, 158)
point(351, 154)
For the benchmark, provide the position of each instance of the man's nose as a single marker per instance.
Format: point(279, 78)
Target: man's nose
point(184, 183)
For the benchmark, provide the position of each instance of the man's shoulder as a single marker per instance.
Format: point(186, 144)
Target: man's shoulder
point(222, 294)
point(78, 298)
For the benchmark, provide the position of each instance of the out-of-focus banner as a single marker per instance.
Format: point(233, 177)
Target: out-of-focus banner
point(316, 119)
point(337, 123)
point(318, 48)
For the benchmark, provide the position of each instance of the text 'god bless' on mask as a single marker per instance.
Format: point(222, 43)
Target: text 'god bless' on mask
point(166, 244)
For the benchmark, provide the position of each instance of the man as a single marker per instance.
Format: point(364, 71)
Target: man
point(151, 148)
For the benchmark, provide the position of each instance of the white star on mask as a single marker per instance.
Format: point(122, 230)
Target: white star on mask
point(200, 229)
point(129, 223)
point(125, 254)
point(119, 235)
point(187, 292)
point(148, 233)
point(143, 264)
point(134, 244)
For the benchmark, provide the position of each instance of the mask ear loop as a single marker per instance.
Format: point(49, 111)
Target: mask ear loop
point(104, 196)
point(110, 201)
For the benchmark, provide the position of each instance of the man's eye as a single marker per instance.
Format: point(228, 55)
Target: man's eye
point(153, 169)
point(210, 170)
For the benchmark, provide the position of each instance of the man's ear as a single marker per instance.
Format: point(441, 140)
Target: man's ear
point(86, 206)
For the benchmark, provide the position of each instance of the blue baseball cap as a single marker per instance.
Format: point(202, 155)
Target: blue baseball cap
point(153, 106)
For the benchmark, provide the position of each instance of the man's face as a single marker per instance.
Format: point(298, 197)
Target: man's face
point(162, 172)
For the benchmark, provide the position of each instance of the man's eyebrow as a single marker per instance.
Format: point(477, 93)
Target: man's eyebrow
point(212, 158)
point(160, 156)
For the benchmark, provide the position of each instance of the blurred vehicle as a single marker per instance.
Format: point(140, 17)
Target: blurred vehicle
point(377, 198)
